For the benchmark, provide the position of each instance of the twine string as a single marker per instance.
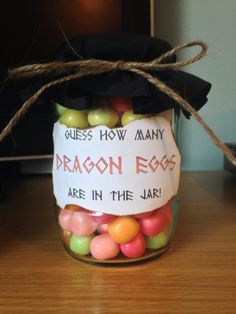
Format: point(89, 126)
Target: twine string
point(83, 68)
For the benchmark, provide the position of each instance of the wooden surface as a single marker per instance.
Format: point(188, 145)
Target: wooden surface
point(197, 275)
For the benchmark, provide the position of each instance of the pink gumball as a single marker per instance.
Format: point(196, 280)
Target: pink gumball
point(101, 217)
point(82, 224)
point(152, 224)
point(102, 247)
point(102, 228)
point(135, 248)
point(64, 219)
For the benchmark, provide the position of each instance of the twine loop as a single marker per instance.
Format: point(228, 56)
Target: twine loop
point(82, 68)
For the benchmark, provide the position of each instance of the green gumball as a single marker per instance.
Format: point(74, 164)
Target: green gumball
point(80, 245)
point(157, 241)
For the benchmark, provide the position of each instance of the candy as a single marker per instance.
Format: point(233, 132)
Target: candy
point(123, 229)
point(82, 224)
point(103, 247)
point(157, 242)
point(101, 217)
point(135, 248)
point(64, 219)
point(74, 119)
point(129, 116)
point(152, 224)
point(60, 109)
point(80, 245)
point(103, 116)
point(121, 104)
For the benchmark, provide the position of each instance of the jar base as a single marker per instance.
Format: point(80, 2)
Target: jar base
point(119, 260)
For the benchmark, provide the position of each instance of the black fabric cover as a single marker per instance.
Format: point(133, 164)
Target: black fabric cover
point(79, 94)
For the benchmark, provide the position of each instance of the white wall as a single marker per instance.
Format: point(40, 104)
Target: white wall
point(213, 21)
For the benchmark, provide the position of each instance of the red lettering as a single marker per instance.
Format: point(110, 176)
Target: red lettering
point(102, 165)
point(90, 164)
point(172, 162)
point(102, 162)
point(76, 166)
point(118, 165)
point(164, 163)
point(58, 161)
point(66, 160)
point(145, 165)
point(153, 164)
point(139, 165)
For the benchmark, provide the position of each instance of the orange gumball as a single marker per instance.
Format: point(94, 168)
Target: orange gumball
point(123, 229)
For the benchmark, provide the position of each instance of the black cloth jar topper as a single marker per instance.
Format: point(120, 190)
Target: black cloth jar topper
point(79, 93)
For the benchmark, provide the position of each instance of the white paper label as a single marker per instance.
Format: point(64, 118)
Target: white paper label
point(119, 171)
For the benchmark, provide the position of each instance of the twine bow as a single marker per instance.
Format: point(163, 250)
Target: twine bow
point(82, 68)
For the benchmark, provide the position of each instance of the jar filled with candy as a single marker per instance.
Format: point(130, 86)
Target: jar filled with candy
point(116, 166)
point(111, 236)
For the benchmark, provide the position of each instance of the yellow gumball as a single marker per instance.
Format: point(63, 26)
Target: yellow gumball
point(130, 116)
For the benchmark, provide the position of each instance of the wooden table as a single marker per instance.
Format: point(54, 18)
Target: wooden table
point(197, 275)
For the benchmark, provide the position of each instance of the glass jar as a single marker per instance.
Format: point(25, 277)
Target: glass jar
point(110, 225)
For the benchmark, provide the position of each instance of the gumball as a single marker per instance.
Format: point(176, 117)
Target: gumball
point(82, 224)
point(152, 224)
point(129, 116)
point(74, 119)
point(103, 247)
point(123, 229)
point(75, 208)
point(102, 228)
point(135, 248)
point(101, 217)
point(80, 245)
point(121, 104)
point(66, 235)
point(64, 219)
point(157, 241)
point(103, 116)
point(60, 109)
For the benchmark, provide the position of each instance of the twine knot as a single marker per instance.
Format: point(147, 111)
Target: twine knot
point(120, 65)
